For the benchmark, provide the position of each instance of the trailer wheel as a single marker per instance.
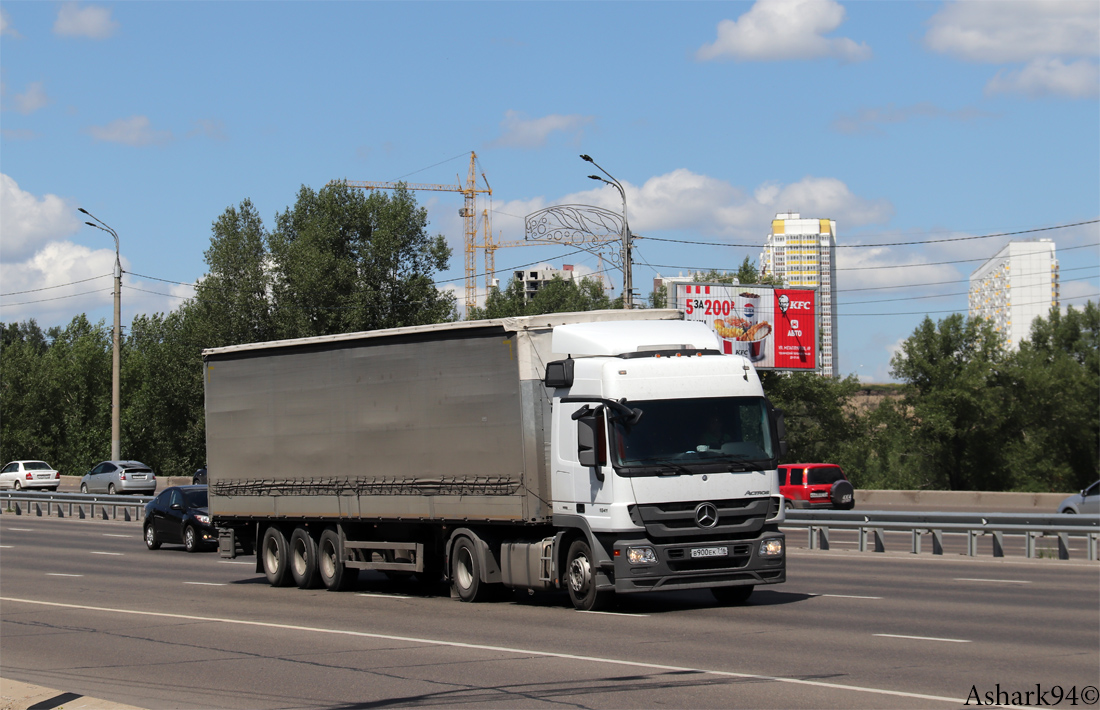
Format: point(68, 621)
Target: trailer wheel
point(335, 575)
point(732, 596)
point(303, 559)
point(466, 572)
point(274, 554)
point(581, 579)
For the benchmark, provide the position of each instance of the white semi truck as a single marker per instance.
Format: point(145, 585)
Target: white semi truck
point(602, 452)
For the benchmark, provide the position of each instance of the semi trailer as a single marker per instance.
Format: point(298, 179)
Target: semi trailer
point(605, 452)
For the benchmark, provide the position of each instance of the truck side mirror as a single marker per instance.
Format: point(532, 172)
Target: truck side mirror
point(559, 373)
point(592, 439)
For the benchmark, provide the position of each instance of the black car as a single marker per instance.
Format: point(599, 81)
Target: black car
point(180, 515)
point(199, 477)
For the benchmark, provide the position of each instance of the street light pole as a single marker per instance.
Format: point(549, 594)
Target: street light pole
point(628, 278)
point(116, 388)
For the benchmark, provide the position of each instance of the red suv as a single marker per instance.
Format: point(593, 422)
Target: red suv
point(815, 485)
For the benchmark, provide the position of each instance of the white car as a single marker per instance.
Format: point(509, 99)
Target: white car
point(1087, 502)
point(19, 475)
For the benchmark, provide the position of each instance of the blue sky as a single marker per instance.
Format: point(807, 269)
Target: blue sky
point(903, 121)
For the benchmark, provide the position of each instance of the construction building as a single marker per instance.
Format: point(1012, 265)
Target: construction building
point(802, 252)
point(534, 279)
point(1016, 286)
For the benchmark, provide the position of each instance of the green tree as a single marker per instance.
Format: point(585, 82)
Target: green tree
point(957, 403)
point(555, 296)
point(821, 426)
point(345, 261)
point(1055, 381)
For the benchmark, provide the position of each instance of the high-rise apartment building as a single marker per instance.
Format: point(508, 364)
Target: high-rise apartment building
point(802, 252)
point(1015, 287)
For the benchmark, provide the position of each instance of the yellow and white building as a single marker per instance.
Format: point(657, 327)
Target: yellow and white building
point(802, 252)
point(1016, 286)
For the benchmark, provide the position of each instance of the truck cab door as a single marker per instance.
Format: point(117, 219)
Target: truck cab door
point(574, 481)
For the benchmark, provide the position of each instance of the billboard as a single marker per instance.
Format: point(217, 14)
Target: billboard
point(776, 328)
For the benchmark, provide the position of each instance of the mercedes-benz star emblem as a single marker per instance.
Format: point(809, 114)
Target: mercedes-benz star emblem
point(706, 515)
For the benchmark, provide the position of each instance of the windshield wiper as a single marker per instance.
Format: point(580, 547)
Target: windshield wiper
point(677, 467)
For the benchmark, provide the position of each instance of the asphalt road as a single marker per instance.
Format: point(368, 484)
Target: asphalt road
point(86, 609)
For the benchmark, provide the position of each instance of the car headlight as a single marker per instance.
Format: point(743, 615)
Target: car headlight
point(204, 519)
point(772, 547)
point(641, 556)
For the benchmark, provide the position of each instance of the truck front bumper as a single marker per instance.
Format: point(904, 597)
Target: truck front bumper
point(713, 564)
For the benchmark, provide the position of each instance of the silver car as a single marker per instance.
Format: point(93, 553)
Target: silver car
point(119, 477)
point(29, 474)
point(1087, 502)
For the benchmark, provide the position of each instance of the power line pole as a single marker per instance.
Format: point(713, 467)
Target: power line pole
point(116, 361)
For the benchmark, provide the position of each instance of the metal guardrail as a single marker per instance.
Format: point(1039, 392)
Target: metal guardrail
point(73, 505)
point(872, 524)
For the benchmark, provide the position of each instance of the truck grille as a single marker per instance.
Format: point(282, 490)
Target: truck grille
point(738, 518)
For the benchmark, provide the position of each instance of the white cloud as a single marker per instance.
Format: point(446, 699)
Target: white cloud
point(784, 29)
point(27, 223)
point(1049, 76)
point(1040, 33)
point(208, 128)
point(519, 131)
point(870, 120)
point(1019, 31)
point(32, 99)
point(6, 26)
point(683, 200)
point(135, 131)
point(90, 21)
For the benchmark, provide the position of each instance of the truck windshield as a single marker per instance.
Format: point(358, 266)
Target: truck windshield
point(693, 436)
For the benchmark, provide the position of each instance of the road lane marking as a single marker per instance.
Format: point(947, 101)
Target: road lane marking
point(921, 638)
point(7, 547)
point(97, 552)
point(494, 649)
point(1002, 581)
point(384, 596)
point(208, 584)
point(234, 562)
point(609, 613)
point(21, 529)
point(62, 574)
point(117, 535)
point(843, 596)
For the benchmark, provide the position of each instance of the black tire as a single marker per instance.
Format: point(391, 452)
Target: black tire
point(190, 539)
point(580, 576)
point(732, 596)
point(110, 489)
point(151, 539)
point(275, 557)
point(1069, 511)
point(334, 574)
point(84, 488)
point(843, 495)
point(16, 486)
point(303, 559)
point(466, 572)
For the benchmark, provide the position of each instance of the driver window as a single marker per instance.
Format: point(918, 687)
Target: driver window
point(177, 499)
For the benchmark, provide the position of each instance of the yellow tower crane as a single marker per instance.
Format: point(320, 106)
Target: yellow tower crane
point(468, 213)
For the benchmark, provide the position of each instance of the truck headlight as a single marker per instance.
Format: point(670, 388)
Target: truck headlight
point(641, 556)
point(772, 547)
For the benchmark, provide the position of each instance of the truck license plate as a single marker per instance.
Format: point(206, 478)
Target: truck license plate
point(709, 552)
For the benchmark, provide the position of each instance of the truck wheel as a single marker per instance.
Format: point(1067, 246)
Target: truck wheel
point(732, 596)
point(151, 540)
point(335, 575)
point(273, 552)
point(466, 572)
point(581, 579)
point(303, 559)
